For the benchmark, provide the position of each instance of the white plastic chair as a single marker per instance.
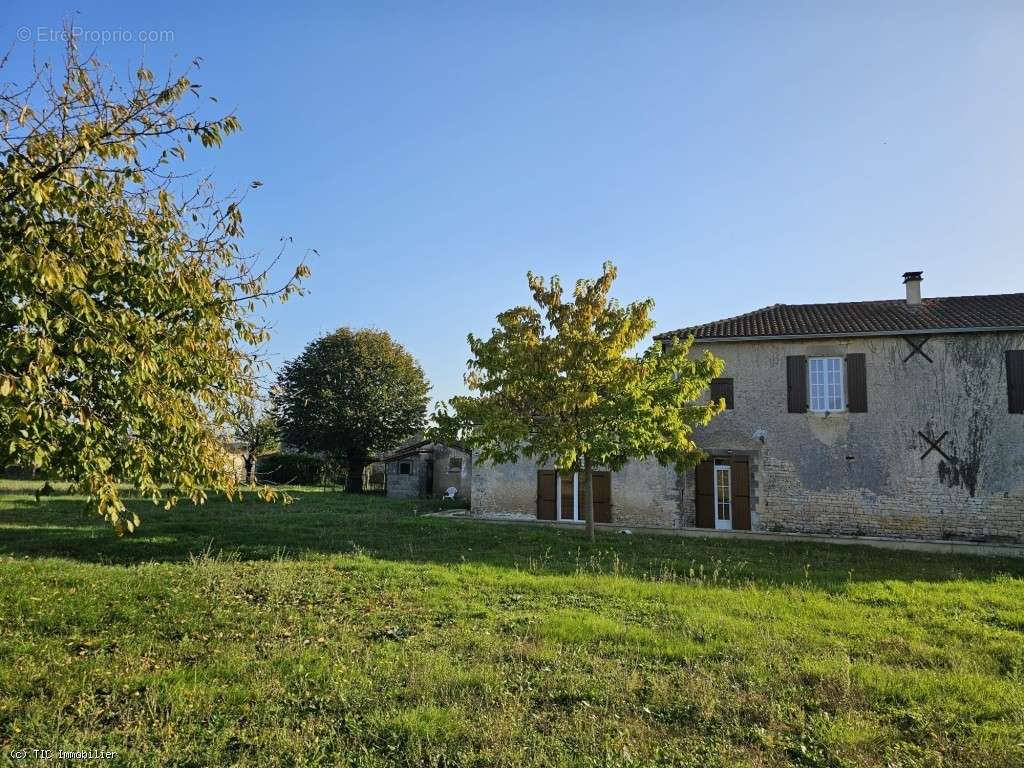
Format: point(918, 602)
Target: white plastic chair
point(450, 492)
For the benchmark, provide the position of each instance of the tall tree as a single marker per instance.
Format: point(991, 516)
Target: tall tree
point(559, 383)
point(126, 310)
point(351, 394)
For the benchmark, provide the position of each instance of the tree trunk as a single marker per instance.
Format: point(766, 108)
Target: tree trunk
point(354, 476)
point(250, 469)
point(588, 496)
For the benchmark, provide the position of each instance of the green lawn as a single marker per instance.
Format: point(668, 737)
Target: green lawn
point(351, 631)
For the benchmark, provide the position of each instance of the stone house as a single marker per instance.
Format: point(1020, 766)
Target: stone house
point(424, 468)
point(899, 418)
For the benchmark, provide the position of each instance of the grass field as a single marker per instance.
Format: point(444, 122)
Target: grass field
point(352, 631)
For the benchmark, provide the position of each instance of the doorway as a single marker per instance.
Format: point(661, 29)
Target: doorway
point(722, 493)
point(723, 497)
point(559, 496)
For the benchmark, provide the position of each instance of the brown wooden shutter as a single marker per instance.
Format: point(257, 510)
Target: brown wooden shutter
point(565, 485)
point(704, 485)
point(721, 389)
point(602, 497)
point(546, 494)
point(856, 383)
point(1015, 380)
point(740, 494)
point(796, 383)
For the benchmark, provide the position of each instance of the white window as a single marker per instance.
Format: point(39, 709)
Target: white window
point(454, 463)
point(826, 384)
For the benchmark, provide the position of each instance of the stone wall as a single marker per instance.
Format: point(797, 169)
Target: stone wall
point(445, 478)
point(862, 473)
point(407, 486)
point(506, 489)
point(643, 492)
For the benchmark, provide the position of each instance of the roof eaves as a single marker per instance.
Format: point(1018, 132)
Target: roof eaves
point(408, 450)
point(850, 335)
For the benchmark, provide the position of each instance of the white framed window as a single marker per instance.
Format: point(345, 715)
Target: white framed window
point(454, 463)
point(825, 384)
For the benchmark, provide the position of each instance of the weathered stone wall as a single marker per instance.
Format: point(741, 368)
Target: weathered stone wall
point(445, 478)
point(407, 486)
point(862, 473)
point(505, 489)
point(643, 492)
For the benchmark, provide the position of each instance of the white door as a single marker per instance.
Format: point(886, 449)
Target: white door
point(723, 497)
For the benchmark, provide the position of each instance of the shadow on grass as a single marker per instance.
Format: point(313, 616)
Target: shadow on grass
point(330, 523)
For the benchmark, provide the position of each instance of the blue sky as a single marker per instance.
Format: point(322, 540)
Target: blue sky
point(724, 155)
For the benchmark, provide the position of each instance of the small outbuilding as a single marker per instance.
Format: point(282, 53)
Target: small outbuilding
point(428, 469)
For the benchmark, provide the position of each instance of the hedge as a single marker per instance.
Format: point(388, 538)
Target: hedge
point(294, 469)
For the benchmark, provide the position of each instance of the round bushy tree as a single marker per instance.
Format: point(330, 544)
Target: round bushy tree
point(351, 394)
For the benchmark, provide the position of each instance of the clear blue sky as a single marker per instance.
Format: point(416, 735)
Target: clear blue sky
point(724, 155)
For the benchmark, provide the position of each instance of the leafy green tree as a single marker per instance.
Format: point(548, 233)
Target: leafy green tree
point(258, 434)
point(559, 383)
point(127, 331)
point(351, 394)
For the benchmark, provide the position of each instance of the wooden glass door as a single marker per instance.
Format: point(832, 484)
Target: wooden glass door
point(723, 497)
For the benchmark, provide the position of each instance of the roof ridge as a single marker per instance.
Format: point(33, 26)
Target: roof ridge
point(898, 301)
point(871, 316)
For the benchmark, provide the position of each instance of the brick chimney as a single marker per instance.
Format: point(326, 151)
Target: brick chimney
point(913, 282)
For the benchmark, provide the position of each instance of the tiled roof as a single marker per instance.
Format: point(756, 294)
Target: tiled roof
point(420, 446)
point(954, 314)
point(406, 450)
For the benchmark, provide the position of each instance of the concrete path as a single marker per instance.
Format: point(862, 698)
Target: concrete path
point(918, 545)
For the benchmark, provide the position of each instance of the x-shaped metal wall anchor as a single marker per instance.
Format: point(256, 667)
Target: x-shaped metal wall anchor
point(933, 445)
point(917, 348)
